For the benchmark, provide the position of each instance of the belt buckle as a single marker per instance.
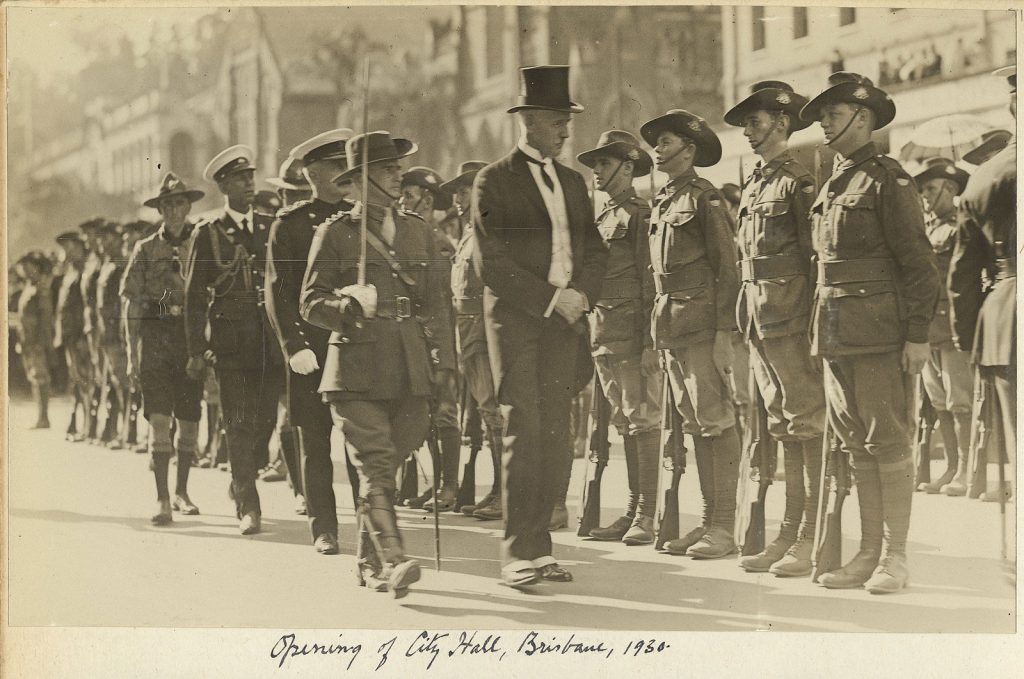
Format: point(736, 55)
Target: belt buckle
point(403, 307)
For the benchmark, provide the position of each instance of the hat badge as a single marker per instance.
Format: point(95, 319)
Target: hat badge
point(694, 125)
point(860, 93)
point(633, 154)
point(430, 179)
point(173, 184)
point(950, 170)
point(783, 98)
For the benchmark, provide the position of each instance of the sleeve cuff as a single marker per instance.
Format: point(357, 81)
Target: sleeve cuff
point(552, 303)
point(917, 333)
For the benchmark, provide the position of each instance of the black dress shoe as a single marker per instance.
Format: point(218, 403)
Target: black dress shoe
point(554, 573)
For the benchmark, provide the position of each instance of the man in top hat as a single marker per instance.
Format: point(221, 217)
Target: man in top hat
point(422, 195)
point(946, 375)
point(35, 329)
point(390, 342)
point(693, 255)
point(69, 333)
point(291, 184)
point(153, 305)
point(110, 338)
point(471, 340)
point(542, 262)
point(877, 285)
point(224, 289)
point(88, 282)
point(321, 158)
point(985, 316)
point(774, 235)
point(620, 333)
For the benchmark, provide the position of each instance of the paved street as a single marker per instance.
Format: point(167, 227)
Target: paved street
point(83, 553)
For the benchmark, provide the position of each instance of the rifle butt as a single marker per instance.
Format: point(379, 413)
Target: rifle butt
point(591, 517)
point(830, 553)
point(467, 489)
point(410, 482)
point(669, 528)
point(753, 541)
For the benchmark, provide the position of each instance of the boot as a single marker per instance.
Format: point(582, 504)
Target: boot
point(613, 532)
point(791, 515)
point(958, 485)
point(704, 454)
point(891, 575)
point(947, 427)
point(641, 532)
point(368, 566)
point(71, 434)
point(398, 569)
point(422, 499)
point(445, 499)
point(869, 497)
point(760, 563)
point(648, 464)
point(796, 563)
point(992, 494)
point(182, 503)
point(42, 397)
point(621, 525)
point(797, 560)
point(718, 542)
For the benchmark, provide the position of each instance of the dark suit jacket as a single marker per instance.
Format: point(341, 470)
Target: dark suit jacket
point(513, 254)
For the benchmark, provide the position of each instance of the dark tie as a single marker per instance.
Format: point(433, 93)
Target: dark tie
point(548, 182)
point(245, 224)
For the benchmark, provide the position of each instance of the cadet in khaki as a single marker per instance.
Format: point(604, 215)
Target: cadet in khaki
point(947, 374)
point(693, 256)
point(35, 329)
point(110, 337)
point(773, 308)
point(620, 329)
point(69, 333)
point(876, 290)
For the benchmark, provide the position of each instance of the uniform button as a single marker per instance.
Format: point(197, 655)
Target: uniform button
point(391, 252)
point(862, 291)
point(831, 194)
point(394, 275)
point(344, 340)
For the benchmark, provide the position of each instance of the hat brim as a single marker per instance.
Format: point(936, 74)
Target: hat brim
point(960, 177)
point(709, 147)
point(403, 147)
point(573, 107)
point(193, 195)
point(642, 164)
point(464, 179)
point(765, 100)
point(877, 101)
point(993, 144)
point(279, 183)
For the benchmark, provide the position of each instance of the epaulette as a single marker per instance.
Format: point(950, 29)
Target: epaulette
point(289, 209)
point(333, 218)
point(405, 213)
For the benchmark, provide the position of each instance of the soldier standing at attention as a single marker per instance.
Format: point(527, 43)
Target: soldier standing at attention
point(947, 373)
point(390, 341)
point(89, 281)
point(876, 290)
point(421, 195)
point(224, 290)
point(774, 234)
point(152, 303)
point(35, 330)
point(693, 255)
point(467, 301)
point(620, 329)
point(110, 338)
point(69, 334)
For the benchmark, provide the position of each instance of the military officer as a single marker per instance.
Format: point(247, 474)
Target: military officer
point(109, 336)
point(985, 317)
point(877, 285)
point(946, 375)
point(291, 184)
point(774, 234)
point(693, 255)
point(390, 340)
point(474, 360)
point(305, 345)
point(620, 335)
point(152, 303)
point(68, 332)
point(35, 329)
point(422, 195)
point(224, 290)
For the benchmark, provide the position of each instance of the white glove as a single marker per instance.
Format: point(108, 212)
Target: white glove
point(303, 362)
point(366, 295)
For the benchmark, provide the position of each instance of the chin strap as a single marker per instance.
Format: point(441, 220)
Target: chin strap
point(828, 142)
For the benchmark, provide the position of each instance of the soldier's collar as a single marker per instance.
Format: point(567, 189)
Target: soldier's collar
point(374, 214)
point(678, 183)
point(622, 197)
point(186, 231)
point(774, 164)
point(869, 150)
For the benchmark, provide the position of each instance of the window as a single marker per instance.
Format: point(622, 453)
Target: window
point(800, 28)
point(757, 28)
point(495, 18)
point(847, 15)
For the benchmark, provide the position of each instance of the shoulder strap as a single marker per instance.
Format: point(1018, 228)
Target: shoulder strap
point(382, 250)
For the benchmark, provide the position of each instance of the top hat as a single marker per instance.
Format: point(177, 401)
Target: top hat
point(378, 146)
point(464, 176)
point(852, 88)
point(289, 176)
point(324, 146)
point(942, 168)
point(622, 145)
point(172, 186)
point(770, 95)
point(992, 142)
point(429, 180)
point(231, 160)
point(686, 124)
point(545, 88)
point(1010, 73)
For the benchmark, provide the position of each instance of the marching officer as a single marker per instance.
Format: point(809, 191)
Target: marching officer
point(152, 303)
point(421, 196)
point(946, 375)
point(224, 290)
point(985, 316)
point(390, 340)
point(877, 285)
point(304, 344)
point(693, 255)
point(35, 329)
point(69, 333)
point(110, 339)
point(774, 235)
point(474, 360)
point(620, 329)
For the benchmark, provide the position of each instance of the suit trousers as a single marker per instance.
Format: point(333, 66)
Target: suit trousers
point(535, 398)
point(307, 410)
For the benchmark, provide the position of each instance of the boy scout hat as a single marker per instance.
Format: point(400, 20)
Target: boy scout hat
point(464, 176)
point(770, 95)
point(69, 236)
point(380, 146)
point(109, 228)
point(686, 124)
point(91, 225)
point(622, 145)
point(1010, 73)
point(942, 168)
point(852, 88)
point(172, 186)
point(230, 161)
point(545, 88)
point(324, 146)
point(992, 142)
point(38, 259)
point(429, 180)
point(289, 175)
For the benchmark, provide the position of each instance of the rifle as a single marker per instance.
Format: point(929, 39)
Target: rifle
point(980, 432)
point(600, 414)
point(435, 456)
point(673, 455)
point(763, 454)
point(828, 554)
point(925, 417)
point(471, 427)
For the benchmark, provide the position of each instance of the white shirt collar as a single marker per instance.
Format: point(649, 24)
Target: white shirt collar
point(239, 216)
point(523, 146)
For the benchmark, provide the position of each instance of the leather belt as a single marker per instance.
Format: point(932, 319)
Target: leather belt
point(468, 305)
point(620, 288)
point(1006, 267)
point(772, 266)
point(395, 307)
point(684, 279)
point(856, 271)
